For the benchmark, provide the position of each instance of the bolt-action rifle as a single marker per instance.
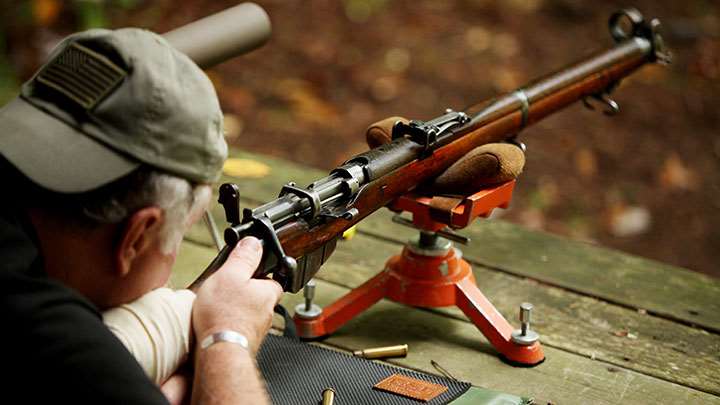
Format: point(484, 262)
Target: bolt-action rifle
point(300, 228)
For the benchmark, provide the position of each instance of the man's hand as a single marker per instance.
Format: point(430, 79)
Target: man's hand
point(177, 387)
point(231, 300)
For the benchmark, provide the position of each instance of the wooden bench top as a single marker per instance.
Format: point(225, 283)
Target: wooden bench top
point(615, 328)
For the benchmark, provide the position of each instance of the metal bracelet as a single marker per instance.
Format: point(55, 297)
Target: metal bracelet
point(229, 336)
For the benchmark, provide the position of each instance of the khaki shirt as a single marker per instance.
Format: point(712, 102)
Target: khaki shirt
point(156, 329)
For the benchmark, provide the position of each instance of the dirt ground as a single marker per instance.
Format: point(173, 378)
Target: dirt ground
point(645, 181)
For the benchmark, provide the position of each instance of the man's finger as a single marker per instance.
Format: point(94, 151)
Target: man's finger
point(277, 290)
point(274, 289)
point(245, 257)
point(176, 388)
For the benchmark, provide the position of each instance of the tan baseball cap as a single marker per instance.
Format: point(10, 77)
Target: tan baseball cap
point(108, 101)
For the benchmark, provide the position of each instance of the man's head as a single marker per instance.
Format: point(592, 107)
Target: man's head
point(127, 130)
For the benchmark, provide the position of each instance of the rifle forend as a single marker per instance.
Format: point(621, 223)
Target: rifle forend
point(304, 223)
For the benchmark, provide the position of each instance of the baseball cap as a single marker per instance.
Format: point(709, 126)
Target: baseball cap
point(108, 101)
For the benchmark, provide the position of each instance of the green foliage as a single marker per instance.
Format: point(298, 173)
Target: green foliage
point(91, 14)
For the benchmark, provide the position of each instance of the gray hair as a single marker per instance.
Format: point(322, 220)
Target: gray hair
point(179, 200)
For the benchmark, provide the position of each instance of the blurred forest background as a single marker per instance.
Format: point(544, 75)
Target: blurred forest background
point(646, 181)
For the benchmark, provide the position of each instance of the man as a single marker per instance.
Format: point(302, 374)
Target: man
point(107, 154)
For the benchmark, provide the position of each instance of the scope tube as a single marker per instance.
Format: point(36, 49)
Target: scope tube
point(222, 36)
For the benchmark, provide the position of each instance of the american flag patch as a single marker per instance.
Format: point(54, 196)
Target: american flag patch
point(82, 75)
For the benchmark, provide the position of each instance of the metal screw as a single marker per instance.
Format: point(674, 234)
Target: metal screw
point(525, 336)
point(308, 309)
point(309, 294)
point(525, 309)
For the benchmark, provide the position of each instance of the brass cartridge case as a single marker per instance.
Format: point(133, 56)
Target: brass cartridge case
point(383, 352)
point(328, 396)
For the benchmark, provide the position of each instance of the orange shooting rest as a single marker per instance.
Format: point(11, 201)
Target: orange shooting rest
point(431, 273)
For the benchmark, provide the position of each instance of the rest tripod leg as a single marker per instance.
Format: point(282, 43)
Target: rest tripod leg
point(494, 326)
point(341, 311)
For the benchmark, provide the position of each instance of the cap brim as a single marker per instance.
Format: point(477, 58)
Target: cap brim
point(55, 155)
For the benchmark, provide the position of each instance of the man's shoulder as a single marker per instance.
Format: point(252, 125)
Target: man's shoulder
point(23, 282)
point(60, 348)
point(18, 248)
point(29, 295)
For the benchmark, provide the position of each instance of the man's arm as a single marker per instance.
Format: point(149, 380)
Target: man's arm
point(230, 300)
point(156, 329)
point(225, 373)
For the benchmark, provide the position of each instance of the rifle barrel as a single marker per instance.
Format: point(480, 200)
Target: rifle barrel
point(494, 121)
point(540, 98)
point(595, 76)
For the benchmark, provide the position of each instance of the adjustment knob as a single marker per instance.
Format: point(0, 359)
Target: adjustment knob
point(308, 309)
point(525, 336)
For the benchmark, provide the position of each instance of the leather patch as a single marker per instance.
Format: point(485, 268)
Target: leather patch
point(410, 387)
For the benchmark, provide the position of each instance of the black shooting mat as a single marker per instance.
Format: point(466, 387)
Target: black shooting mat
point(297, 373)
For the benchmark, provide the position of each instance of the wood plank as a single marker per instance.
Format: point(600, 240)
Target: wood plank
point(564, 378)
point(613, 276)
point(609, 274)
point(565, 320)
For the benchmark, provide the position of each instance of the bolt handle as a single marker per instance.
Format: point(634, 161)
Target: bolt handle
point(229, 198)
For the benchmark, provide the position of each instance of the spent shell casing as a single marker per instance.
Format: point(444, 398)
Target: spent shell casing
point(383, 352)
point(328, 396)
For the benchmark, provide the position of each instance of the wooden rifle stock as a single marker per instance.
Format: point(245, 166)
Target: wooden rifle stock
point(306, 222)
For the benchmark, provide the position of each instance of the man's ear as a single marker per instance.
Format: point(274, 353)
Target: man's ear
point(138, 235)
